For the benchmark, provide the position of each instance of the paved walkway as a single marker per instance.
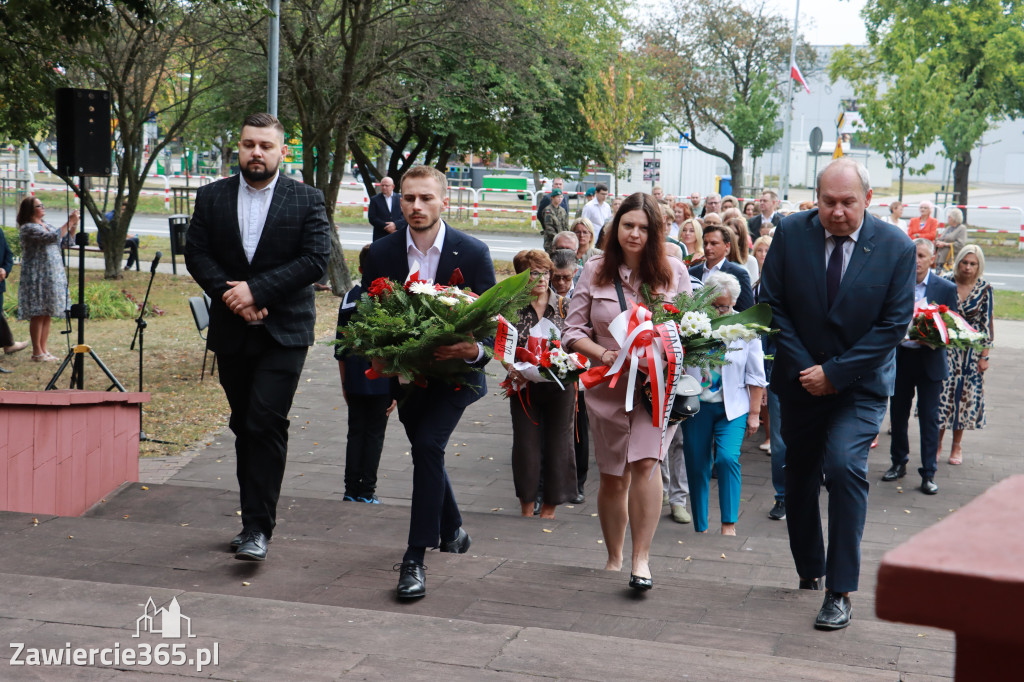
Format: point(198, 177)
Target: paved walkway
point(530, 600)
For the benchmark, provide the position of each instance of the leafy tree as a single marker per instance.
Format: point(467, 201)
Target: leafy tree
point(978, 44)
point(617, 106)
point(725, 63)
point(902, 121)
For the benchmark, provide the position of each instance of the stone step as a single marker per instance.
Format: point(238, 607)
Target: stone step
point(572, 539)
point(265, 639)
point(175, 538)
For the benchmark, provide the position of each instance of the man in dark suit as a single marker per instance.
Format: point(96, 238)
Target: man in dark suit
point(840, 283)
point(6, 337)
point(430, 414)
point(385, 212)
point(256, 244)
point(717, 244)
point(920, 368)
point(769, 215)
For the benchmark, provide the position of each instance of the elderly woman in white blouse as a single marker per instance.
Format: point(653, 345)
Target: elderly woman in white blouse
point(730, 406)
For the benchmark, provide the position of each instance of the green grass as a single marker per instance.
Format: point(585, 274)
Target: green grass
point(1009, 305)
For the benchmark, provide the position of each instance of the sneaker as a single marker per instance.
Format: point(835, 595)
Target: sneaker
point(680, 515)
point(664, 499)
point(372, 499)
point(778, 511)
point(349, 498)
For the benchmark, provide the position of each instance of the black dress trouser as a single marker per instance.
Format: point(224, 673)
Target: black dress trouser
point(260, 379)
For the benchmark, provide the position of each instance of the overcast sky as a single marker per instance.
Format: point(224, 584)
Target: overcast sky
point(826, 22)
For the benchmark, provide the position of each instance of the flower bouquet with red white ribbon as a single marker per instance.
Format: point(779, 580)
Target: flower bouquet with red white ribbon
point(657, 339)
point(403, 324)
point(544, 360)
point(936, 326)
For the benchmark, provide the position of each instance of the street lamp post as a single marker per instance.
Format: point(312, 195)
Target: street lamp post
point(273, 50)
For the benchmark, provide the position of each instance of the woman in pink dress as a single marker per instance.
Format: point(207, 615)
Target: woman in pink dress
point(627, 446)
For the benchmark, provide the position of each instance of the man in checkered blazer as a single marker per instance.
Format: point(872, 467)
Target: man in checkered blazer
point(256, 244)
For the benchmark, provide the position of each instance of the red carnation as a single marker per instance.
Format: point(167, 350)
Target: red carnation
point(943, 309)
point(379, 287)
point(669, 308)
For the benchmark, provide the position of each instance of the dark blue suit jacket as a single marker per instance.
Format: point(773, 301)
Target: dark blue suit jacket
point(746, 298)
point(389, 258)
point(855, 340)
point(379, 216)
point(942, 292)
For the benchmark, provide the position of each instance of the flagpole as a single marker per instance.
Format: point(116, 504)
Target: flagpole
point(787, 125)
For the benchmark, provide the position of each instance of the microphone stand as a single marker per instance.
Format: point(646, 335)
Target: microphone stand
point(140, 334)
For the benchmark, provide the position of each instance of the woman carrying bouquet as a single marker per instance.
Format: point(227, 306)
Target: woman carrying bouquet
point(542, 412)
point(627, 446)
point(729, 410)
point(962, 401)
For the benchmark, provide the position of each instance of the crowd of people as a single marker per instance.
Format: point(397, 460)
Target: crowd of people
point(595, 262)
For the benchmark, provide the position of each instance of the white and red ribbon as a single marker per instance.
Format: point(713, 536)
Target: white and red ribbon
point(505, 340)
point(931, 310)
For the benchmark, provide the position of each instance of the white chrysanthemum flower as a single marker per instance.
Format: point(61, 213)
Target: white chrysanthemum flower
point(695, 323)
point(448, 300)
point(422, 289)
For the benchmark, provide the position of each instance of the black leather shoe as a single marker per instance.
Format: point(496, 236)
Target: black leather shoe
point(835, 612)
point(810, 584)
point(894, 472)
point(579, 499)
point(460, 545)
point(928, 486)
point(412, 579)
point(253, 546)
point(640, 584)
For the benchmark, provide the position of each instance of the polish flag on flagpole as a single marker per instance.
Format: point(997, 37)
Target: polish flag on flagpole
point(794, 73)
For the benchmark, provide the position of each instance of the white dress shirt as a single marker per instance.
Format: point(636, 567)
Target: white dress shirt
point(427, 261)
point(388, 198)
point(848, 246)
point(597, 213)
point(253, 206)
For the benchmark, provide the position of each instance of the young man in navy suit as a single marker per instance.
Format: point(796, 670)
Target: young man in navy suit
point(385, 211)
point(841, 287)
point(256, 244)
point(444, 255)
point(922, 369)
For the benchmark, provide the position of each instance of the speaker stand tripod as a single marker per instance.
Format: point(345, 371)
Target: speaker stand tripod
point(76, 356)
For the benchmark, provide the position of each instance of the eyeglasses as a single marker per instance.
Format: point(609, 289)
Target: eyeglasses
point(561, 278)
point(539, 274)
point(721, 308)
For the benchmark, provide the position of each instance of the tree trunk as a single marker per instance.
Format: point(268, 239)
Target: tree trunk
point(902, 170)
point(736, 168)
point(961, 173)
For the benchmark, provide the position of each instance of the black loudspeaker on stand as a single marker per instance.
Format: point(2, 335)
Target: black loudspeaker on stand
point(83, 132)
point(140, 335)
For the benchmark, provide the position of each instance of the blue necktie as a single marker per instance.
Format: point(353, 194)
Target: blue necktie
point(834, 271)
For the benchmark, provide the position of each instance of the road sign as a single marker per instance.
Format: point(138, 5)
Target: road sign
point(816, 140)
point(684, 141)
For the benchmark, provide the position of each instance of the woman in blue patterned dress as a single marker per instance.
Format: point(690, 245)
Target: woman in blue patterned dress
point(41, 290)
point(962, 402)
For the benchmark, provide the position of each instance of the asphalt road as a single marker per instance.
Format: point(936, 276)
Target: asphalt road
point(1003, 274)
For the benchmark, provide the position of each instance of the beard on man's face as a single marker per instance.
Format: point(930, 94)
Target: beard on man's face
point(264, 173)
